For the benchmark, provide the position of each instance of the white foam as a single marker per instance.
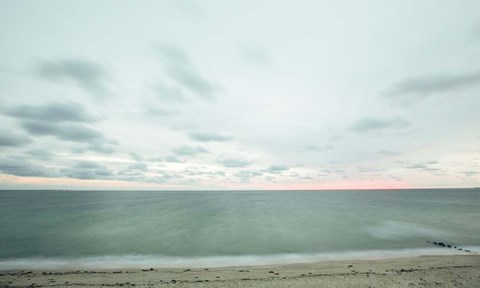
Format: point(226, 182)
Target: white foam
point(139, 261)
point(404, 230)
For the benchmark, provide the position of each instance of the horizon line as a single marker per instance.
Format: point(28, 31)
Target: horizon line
point(234, 190)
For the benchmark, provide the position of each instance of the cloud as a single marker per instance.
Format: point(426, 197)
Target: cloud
point(255, 54)
point(101, 147)
point(165, 176)
point(370, 169)
point(169, 159)
point(63, 121)
point(41, 154)
point(424, 166)
point(189, 150)
point(136, 156)
point(138, 166)
point(173, 159)
point(159, 112)
point(417, 166)
point(275, 169)
point(8, 139)
point(388, 152)
point(88, 170)
point(170, 94)
point(88, 75)
point(63, 131)
point(54, 112)
point(196, 171)
point(72, 132)
point(425, 86)
point(470, 173)
point(312, 148)
point(189, 7)
point(131, 175)
point(206, 137)
point(246, 175)
point(19, 167)
point(374, 124)
point(234, 163)
point(97, 146)
point(179, 69)
point(317, 148)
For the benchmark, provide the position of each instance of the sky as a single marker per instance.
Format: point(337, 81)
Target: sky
point(185, 94)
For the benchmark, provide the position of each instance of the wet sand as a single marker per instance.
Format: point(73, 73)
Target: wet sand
point(423, 271)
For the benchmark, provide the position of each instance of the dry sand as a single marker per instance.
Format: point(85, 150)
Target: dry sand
point(424, 271)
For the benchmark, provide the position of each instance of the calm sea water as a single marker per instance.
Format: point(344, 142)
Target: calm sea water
point(195, 228)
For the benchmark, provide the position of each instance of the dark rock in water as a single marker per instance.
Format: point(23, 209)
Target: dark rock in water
point(435, 243)
point(187, 270)
point(350, 266)
point(460, 249)
point(449, 246)
point(468, 251)
point(271, 272)
point(441, 244)
point(173, 281)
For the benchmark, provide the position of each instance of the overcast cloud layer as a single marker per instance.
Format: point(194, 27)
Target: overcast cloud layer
point(187, 94)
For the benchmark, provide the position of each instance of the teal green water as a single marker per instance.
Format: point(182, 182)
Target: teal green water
point(171, 227)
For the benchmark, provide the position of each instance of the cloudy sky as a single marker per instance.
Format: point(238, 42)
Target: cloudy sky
point(254, 94)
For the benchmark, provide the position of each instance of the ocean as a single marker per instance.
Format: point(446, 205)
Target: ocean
point(112, 229)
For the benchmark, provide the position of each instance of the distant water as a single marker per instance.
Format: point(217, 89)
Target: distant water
point(52, 229)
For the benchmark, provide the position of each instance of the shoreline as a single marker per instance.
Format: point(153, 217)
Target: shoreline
point(417, 271)
point(141, 261)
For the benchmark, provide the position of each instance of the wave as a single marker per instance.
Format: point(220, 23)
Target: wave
point(147, 261)
point(403, 230)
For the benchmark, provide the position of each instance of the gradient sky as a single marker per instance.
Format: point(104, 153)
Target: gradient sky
point(239, 94)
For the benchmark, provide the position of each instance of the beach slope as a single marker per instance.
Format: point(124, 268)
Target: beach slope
point(424, 271)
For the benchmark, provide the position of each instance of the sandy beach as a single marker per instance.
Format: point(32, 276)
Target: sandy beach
point(423, 271)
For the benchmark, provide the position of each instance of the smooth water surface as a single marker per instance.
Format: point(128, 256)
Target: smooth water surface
point(176, 225)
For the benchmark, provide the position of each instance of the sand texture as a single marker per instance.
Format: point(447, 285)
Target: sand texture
point(425, 271)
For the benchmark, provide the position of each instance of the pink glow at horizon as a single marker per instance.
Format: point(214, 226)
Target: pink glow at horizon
point(65, 183)
point(345, 185)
